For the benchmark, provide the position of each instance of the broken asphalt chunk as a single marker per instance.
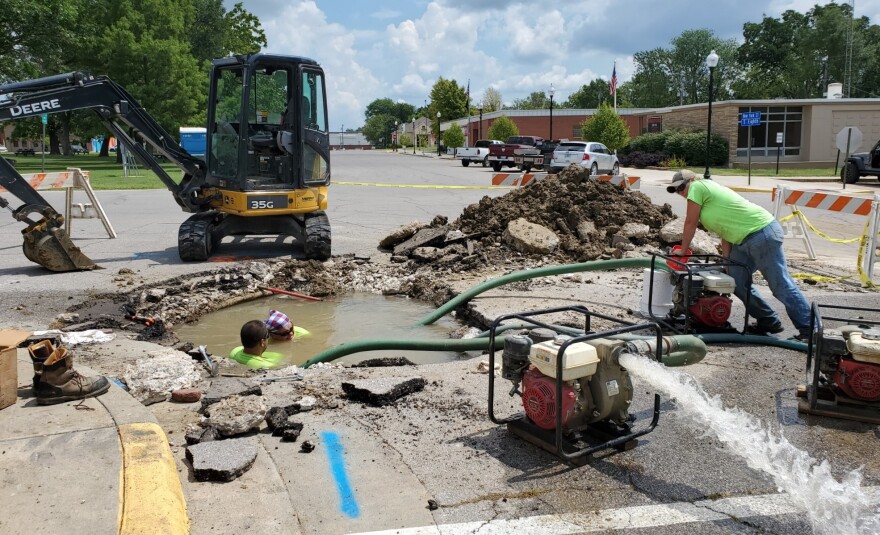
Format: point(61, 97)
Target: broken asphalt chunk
point(382, 391)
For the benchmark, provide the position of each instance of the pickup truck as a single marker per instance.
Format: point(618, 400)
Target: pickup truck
point(479, 153)
point(535, 157)
point(505, 155)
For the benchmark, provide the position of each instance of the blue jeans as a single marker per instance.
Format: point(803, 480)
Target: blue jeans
point(762, 251)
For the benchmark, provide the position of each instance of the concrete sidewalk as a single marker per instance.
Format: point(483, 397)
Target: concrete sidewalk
point(98, 466)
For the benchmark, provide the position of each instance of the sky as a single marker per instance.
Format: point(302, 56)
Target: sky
point(397, 49)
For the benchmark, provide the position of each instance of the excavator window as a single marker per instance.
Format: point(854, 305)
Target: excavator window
point(224, 139)
point(315, 165)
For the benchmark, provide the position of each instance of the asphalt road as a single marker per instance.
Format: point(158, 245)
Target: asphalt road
point(680, 479)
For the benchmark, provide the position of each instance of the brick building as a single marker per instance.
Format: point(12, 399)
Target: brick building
point(808, 126)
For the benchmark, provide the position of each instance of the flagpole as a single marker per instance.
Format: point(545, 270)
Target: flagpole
point(615, 87)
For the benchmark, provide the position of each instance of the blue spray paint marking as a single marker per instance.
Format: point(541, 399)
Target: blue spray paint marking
point(349, 505)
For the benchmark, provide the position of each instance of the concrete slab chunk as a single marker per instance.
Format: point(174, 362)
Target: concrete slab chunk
point(382, 391)
point(221, 460)
point(423, 238)
point(237, 414)
point(223, 387)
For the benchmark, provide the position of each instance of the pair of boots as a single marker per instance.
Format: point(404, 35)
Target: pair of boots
point(55, 380)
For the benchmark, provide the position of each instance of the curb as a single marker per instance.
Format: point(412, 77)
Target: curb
point(151, 495)
point(151, 498)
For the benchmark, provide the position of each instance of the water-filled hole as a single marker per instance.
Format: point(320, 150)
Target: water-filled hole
point(331, 322)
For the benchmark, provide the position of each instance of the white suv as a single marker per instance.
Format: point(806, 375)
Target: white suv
point(3, 149)
point(589, 154)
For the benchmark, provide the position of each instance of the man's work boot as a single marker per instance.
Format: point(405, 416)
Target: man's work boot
point(39, 352)
point(59, 382)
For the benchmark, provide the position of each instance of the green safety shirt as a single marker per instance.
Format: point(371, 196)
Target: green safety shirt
point(266, 360)
point(725, 212)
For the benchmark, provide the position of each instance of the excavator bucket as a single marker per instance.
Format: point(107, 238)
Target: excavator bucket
point(53, 249)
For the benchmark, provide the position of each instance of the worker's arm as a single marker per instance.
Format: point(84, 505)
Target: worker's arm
point(690, 224)
point(725, 248)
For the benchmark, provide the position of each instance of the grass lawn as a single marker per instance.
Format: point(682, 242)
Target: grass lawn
point(104, 173)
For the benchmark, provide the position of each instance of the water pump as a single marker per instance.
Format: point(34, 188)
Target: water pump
point(574, 392)
point(843, 367)
point(705, 296)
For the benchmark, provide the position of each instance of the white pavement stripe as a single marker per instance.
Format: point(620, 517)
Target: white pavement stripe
point(636, 517)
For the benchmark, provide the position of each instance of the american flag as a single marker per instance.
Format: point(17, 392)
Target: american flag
point(614, 79)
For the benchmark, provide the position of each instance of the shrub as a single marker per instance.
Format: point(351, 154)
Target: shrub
point(687, 146)
point(607, 128)
point(640, 160)
point(502, 128)
point(453, 136)
point(674, 162)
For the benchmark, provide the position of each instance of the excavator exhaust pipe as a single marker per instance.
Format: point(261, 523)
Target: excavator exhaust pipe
point(53, 249)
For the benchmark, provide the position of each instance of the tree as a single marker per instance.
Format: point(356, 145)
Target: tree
point(590, 96)
point(606, 127)
point(453, 136)
point(491, 100)
point(502, 128)
point(215, 32)
point(450, 99)
point(401, 111)
point(796, 55)
point(537, 100)
point(378, 129)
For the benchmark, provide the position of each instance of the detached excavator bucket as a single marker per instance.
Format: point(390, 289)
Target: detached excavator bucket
point(53, 249)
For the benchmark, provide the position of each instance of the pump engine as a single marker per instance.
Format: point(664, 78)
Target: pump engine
point(595, 388)
point(849, 361)
point(705, 296)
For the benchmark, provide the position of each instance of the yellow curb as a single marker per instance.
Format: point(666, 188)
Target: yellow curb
point(152, 498)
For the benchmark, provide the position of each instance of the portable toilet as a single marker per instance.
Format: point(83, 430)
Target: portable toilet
point(193, 139)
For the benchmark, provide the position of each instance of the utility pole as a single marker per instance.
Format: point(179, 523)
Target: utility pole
point(847, 75)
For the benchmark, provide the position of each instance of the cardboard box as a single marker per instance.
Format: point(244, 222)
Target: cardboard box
point(9, 340)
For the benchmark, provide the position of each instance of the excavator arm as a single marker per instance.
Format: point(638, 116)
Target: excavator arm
point(45, 240)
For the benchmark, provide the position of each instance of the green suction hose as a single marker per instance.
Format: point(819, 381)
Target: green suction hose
point(450, 344)
point(517, 276)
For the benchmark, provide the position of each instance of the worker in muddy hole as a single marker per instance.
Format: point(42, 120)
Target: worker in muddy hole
point(281, 328)
point(751, 236)
point(252, 351)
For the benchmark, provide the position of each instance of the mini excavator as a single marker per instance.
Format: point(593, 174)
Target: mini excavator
point(266, 169)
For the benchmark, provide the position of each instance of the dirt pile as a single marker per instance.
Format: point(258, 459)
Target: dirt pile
point(591, 219)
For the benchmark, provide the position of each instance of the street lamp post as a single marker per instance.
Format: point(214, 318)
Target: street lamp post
point(438, 134)
point(711, 62)
point(551, 111)
point(481, 123)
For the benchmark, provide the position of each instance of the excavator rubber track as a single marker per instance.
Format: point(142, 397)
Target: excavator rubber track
point(317, 236)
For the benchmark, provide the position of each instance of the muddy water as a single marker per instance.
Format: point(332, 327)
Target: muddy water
point(332, 322)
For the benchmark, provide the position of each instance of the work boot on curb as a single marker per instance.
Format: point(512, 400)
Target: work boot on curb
point(39, 352)
point(59, 382)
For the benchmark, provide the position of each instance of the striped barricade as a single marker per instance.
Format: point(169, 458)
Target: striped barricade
point(796, 225)
point(624, 181)
point(515, 179)
point(71, 179)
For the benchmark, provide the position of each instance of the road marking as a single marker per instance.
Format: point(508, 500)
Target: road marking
point(624, 518)
point(416, 186)
point(152, 499)
point(348, 503)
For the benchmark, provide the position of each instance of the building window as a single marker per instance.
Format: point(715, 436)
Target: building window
point(775, 120)
point(576, 131)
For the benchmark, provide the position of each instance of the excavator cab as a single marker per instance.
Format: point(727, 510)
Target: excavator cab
point(268, 155)
point(266, 171)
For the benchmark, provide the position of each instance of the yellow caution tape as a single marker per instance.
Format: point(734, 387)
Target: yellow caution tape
point(863, 243)
point(818, 278)
point(819, 232)
point(418, 186)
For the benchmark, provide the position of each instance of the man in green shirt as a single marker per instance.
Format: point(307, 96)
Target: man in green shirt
point(751, 236)
point(252, 351)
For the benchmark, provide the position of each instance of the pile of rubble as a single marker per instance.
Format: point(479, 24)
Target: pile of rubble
point(566, 218)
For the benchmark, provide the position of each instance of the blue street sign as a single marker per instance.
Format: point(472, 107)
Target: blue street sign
point(45, 118)
point(750, 118)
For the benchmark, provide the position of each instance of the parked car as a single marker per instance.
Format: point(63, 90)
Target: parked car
point(594, 156)
point(479, 153)
point(504, 155)
point(861, 164)
point(3, 149)
point(76, 148)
